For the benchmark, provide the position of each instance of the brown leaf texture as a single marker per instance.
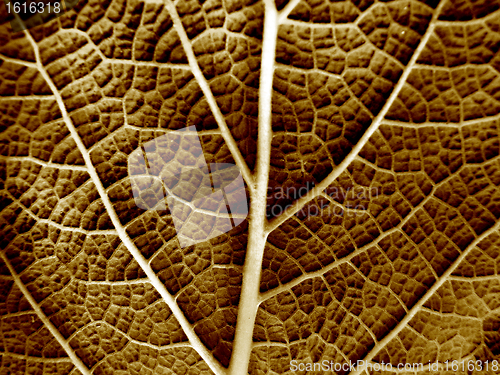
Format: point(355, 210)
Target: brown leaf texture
point(366, 133)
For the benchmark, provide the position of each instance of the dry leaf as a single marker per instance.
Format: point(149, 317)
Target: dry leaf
point(367, 135)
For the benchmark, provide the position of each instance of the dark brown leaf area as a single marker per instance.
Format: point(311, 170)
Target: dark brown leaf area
point(340, 275)
point(411, 203)
point(27, 346)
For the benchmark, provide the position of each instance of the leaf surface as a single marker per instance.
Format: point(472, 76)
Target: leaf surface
point(366, 133)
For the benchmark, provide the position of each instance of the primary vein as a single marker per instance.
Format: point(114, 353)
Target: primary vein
point(249, 300)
